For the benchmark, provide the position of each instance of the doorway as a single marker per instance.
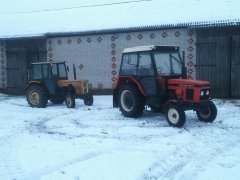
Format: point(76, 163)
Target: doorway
point(20, 53)
point(218, 61)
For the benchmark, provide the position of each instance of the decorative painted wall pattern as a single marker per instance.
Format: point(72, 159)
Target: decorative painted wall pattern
point(50, 49)
point(98, 56)
point(191, 54)
point(90, 54)
point(3, 74)
point(114, 59)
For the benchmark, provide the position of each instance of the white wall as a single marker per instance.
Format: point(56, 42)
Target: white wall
point(98, 57)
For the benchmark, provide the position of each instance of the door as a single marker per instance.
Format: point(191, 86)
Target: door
point(213, 64)
point(146, 75)
point(235, 67)
point(16, 73)
point(206, 67)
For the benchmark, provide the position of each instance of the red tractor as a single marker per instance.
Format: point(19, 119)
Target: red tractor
point(156, 76)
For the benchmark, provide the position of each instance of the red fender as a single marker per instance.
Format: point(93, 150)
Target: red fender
point(121, 79)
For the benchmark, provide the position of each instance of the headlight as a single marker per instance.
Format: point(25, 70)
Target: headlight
point(202, 93)
point(207, 92)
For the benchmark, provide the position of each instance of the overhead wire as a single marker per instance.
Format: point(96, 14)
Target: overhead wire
point(76, 7)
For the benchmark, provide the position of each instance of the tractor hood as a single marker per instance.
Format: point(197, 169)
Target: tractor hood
point(187, 82)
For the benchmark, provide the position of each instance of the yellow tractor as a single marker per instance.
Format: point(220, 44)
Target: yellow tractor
point(49, 81)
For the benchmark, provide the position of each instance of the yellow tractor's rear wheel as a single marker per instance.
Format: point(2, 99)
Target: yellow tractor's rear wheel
point(37, 96)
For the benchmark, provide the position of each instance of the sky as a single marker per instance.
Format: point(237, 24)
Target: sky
point(29, 18)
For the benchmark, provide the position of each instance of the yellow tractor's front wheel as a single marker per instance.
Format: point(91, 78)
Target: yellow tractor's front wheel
point(88, 99)
point(70, 101)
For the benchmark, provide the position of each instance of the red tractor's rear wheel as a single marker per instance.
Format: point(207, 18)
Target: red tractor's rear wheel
point(131, 101)
point(207, 113)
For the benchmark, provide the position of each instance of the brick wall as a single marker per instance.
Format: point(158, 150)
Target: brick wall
point(97, 57)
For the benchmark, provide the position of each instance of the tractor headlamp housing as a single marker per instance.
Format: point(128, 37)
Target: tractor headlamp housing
point(204, 94)
point(207, 92)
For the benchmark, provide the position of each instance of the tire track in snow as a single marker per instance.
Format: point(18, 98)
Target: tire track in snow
point(52, 168)
point(188, 162)
point(164, 169)
point(199, 163)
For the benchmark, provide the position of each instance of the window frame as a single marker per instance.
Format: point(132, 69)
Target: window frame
point(58, 71)
point(170, 62)
point(152, 63)
point(122, 63)
point(137, 67)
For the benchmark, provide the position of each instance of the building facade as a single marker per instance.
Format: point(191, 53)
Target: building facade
point(98, 57)
point(211, 53)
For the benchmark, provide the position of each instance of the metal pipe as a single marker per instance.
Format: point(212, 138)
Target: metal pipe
point(74, 72)
point(184, 69)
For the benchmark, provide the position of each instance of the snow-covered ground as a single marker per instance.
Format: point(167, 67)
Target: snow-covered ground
point(99, 143)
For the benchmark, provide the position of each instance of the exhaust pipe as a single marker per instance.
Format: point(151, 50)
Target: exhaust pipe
point(74, 72)
point(184, 69)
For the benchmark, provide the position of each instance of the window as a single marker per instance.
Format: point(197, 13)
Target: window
point(176, 65)
point(45, 70)
point(162, 63)
point(145, 65)
point(62, 70)
point(168, 63)
point(129, 64)
point(59, 70)
point(54, 70)
point(37, 72)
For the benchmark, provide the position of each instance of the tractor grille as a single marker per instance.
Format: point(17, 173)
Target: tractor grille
point(189, 94)
point(205, 94)
point(85, 87)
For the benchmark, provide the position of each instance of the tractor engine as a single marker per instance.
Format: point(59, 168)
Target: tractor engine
point(192, 91)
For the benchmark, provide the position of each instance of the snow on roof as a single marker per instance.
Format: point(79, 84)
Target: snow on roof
point(138, 48)
point(27, 18)
point(148, 48)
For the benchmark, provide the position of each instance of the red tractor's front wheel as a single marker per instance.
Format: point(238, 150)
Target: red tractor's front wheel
point(207, 113)
point(176, 116)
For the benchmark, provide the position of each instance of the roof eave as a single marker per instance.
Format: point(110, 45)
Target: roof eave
point(191, 25)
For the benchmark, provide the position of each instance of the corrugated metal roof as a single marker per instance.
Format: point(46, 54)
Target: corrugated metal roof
point(191, 25)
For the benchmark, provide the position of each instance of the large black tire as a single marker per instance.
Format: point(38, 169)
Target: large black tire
point(88, 99)
point(207, 113)
point(70, 101)
point(131, 101)
point(176, 116)
point(37, 96)
point(57, 99)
